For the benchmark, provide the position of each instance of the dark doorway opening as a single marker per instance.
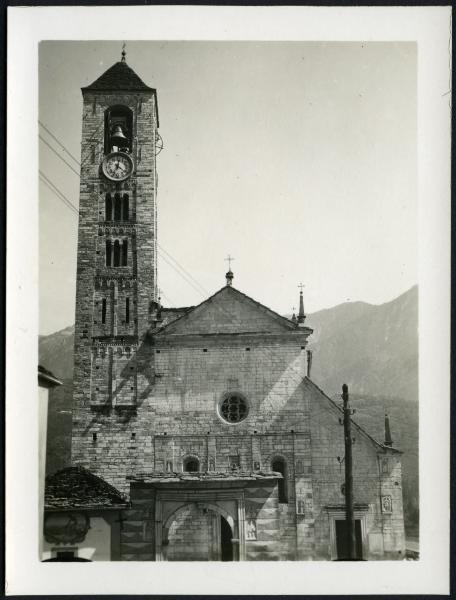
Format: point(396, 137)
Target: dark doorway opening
point(226, 535)
point(191, 465)
point(342, 540)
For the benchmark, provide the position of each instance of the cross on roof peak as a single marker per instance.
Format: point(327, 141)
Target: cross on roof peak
point(229, 259)
point(301, 286)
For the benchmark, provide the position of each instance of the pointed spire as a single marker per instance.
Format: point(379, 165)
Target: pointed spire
point(388, 441)
point(301, 315)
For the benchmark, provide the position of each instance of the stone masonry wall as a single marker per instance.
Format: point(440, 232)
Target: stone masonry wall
point(376, 474)
point(107, 354)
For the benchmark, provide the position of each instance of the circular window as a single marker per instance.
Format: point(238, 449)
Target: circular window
point(234, 408)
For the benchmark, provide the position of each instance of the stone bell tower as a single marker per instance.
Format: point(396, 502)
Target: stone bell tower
point(116, 267)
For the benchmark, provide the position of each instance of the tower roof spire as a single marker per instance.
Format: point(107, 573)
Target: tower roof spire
point(119, 77)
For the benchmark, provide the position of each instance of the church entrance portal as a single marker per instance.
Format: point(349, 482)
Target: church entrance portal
point(197, 532)
point(225, 538)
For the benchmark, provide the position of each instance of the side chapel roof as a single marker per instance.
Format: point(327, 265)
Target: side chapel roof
point(76, 487)
point(360, 429)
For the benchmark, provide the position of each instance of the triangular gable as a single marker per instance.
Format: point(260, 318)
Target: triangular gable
point(229, 311)
point(339, 412)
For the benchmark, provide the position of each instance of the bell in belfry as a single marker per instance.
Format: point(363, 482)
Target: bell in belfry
point(118, 138)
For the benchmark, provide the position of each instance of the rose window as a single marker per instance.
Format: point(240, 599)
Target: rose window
point(234, 408)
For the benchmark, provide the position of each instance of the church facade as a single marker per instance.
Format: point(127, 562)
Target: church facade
point(199, 428)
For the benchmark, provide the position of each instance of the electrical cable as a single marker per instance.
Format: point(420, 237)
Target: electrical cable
point(54, 137)
point(57, 154)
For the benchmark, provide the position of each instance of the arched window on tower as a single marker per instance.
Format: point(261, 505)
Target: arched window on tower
point(191, 464)
point(118, 129)
point(125, 253)
point(125, 207)
point(108, 207)
point(279, 465)
point(117, 207)
point(108, 253)
point(116, 253)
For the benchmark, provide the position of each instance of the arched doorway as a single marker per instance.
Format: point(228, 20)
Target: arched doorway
point(226, 545)
point(198, 532)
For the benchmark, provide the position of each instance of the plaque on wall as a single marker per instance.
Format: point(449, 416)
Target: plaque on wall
point(387, 504)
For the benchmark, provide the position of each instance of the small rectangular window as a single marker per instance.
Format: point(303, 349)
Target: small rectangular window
point(103, 311)
point(127, 310)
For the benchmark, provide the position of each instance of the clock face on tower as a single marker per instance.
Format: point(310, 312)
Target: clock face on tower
point(117, 166)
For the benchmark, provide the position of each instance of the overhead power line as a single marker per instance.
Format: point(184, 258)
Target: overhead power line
point(187, 274)
point(58, 193)
point(57, 154)
point(55, 138)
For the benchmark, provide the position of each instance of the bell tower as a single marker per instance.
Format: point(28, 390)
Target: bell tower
point(116, 267)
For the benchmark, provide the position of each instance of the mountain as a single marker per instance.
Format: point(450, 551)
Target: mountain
point(372, 348)
point(56, 352)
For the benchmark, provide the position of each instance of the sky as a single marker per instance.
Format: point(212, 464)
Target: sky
point(298, 159)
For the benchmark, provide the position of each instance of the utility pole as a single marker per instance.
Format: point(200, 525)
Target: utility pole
point(349, 516)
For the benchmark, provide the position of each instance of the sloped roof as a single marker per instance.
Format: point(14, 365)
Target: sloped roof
point(195, 477)
point(76, 487)
point(168, 315)
point(46, 378)
point(119, 77)
point(232, 312)
point(357, 427)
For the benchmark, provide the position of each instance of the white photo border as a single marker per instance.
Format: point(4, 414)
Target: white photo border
point(430, 28)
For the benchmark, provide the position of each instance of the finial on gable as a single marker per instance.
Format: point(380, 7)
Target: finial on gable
point(124, 53)
point(229, 276)
point(293, 318)
point(301, 315)
point(388, 440)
